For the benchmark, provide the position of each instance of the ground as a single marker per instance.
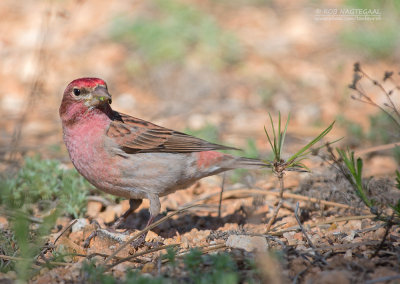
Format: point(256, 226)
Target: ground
point(214, 69)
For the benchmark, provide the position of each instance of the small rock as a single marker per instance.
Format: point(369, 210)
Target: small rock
point(301, 247)
point(290, 238)
point(333, 277)
point(93, 208)
point(298, 236)
point(248, 243)
point(332, 227)
point(350, 237)
point(348, 254)
point(380, 233)
point(315, 238)
point(76, 237)
point(151, 236)
point(289, 235)
point(148, 267)
point(80, 224)
point(108, 215)
point(296, 265)
point(185, 242)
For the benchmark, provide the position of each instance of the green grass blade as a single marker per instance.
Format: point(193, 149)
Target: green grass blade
point(283, 135)
point(279, 135)
point(276, 150)
point(315, 140)
point(270, 142)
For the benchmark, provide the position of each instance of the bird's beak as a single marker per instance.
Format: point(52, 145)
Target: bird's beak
point(100, 96)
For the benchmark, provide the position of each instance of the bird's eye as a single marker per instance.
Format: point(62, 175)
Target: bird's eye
point(77, 92)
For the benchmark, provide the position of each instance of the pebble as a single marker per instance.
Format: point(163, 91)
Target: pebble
point(80, 224)
point(248, 243)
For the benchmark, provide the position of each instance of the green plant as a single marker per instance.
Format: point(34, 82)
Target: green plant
point(195, 268)
point(215, 268)
point(354, 174)
point(7, 247)
point(352, 169)
point(134, 276)
point(47, 184)
point(276, 140)
point(43, 187)
point(93, 273)
point(30, 241)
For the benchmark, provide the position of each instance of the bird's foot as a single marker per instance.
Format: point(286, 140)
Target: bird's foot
point(110, 234)
point(141, 242)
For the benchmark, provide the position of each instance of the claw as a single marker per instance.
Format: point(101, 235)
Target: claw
point(141, 242)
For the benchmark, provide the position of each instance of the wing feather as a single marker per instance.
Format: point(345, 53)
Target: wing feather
point(135, 135)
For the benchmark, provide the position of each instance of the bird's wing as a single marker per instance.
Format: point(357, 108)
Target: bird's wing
point(135, 135)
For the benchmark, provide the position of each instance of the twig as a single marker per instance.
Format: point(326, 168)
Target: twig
point(220, 196)
point(241, 193)
point(298, 275)
point(145, 230)
point(14, 258)
point(203, 249)
point(389, 225)
point(140, 254)
point(376, 148)
point(52, 245)
point(320, 257)
point(213, 247)
point(65, 229)
point(363, 97)
point(275, 214)
point(383, 279)
point(375, 82)
point(296, 211)
point(29, 218)
point(340, 219)
point(345, 247)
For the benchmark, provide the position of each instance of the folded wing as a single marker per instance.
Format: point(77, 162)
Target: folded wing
point(135, 135)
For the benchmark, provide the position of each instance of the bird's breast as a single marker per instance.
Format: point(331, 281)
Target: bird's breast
point(86, 147)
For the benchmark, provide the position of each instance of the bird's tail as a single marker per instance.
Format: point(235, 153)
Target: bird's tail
point(248, 163)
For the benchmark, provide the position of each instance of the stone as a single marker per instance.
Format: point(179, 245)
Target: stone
point(248, 243)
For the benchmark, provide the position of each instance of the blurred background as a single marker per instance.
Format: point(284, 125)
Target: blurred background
point(213, 68)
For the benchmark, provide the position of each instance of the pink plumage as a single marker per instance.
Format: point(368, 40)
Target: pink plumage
point(131, 157)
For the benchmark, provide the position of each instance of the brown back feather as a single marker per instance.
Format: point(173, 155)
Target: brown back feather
point(135, 135)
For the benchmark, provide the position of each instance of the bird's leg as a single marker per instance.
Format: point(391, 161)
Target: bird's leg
point(154, 209)
point(142, 238)
point(133, 205)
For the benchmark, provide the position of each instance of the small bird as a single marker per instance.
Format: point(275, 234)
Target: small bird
point(133, 158)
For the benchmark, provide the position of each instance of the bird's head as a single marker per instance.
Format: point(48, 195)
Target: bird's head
point(84, 95)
